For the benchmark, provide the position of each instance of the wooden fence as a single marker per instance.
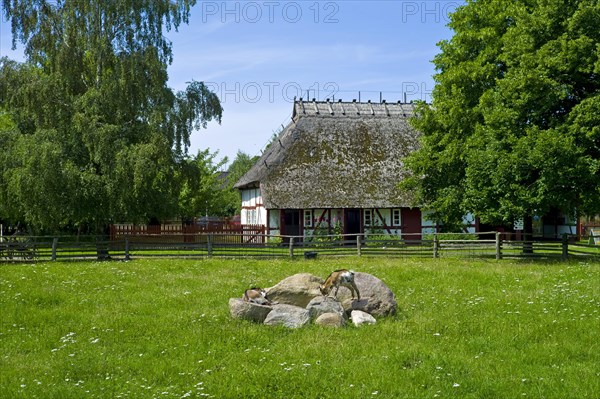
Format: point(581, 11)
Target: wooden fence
point(250, 243)
point(192, 233)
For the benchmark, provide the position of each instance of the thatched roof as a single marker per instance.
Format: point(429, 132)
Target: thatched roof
point(336, 155)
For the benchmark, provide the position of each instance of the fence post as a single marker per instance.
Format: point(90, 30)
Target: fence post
point(436, 246)
point(127, 248)
point(209, 246)
point(498, 246)
point(291, 247)
point(358, 245)
point(54, 247)
point(565, 247)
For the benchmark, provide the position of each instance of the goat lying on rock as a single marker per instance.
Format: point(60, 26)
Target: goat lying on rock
point(341, 277)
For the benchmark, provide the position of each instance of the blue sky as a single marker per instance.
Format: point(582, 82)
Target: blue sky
point(258, 55)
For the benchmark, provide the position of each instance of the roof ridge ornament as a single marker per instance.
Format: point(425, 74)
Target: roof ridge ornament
point(330, 107)
point(402, 108)
point(342, 106)
point(356, 106)
point(387, 111)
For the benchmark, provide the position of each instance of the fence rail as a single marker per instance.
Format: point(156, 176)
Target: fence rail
point(200, 245)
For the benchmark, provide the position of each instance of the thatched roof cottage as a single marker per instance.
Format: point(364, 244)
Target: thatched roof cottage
point(335, 167)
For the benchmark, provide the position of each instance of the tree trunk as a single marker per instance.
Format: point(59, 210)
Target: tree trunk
point(528, 234)
point(102, 250)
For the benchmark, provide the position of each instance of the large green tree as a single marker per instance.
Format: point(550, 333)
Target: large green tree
point(513, 129)
point(207, 189)
point(202, 190)
point(90, 130)
point(238, 168)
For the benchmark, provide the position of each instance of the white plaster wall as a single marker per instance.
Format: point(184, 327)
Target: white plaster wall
point(252, 201)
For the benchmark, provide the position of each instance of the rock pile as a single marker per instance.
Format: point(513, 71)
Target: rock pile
point(298, 302)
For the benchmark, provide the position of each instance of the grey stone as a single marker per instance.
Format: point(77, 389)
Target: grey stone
point(331, 320)
point(322, 304)
point(241, 309)
point(375, 296)
point(297, 290)
point(288, 315)
point(359, 318)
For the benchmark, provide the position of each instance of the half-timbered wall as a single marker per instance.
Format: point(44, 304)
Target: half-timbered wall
point(382, 221)
point(253, 210)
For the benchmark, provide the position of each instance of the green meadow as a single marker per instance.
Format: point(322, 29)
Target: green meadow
point(161, 329)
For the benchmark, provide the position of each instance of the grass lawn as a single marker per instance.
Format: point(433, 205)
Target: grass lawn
point(161, 328)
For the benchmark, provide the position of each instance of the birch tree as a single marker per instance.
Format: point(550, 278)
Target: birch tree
point(96, 134)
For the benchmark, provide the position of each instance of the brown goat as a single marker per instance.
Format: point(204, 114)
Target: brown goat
point(342, 277)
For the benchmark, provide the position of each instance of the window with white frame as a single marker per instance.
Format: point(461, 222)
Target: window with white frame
point(368, 217)
point(396, 217)
point(251, 216)
point(308, 218)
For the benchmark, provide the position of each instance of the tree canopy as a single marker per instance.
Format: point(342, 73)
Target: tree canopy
point(91, 133)
point(238, 168)
point(513, 129)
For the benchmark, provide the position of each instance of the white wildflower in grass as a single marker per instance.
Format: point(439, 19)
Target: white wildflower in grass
point(69, 338)
point(375, 393)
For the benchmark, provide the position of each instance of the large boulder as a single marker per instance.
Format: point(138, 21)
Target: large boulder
point(322, 304)
point(287, 315)
point(375, 296)
point(297, 290)
point(331, 320)
point(241, 309)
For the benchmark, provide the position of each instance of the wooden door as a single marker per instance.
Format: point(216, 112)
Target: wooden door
point(352, 222)
point(291, 223)
point(411, 223)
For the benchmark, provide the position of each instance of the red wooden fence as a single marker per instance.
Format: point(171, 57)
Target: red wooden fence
point(192, 233)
